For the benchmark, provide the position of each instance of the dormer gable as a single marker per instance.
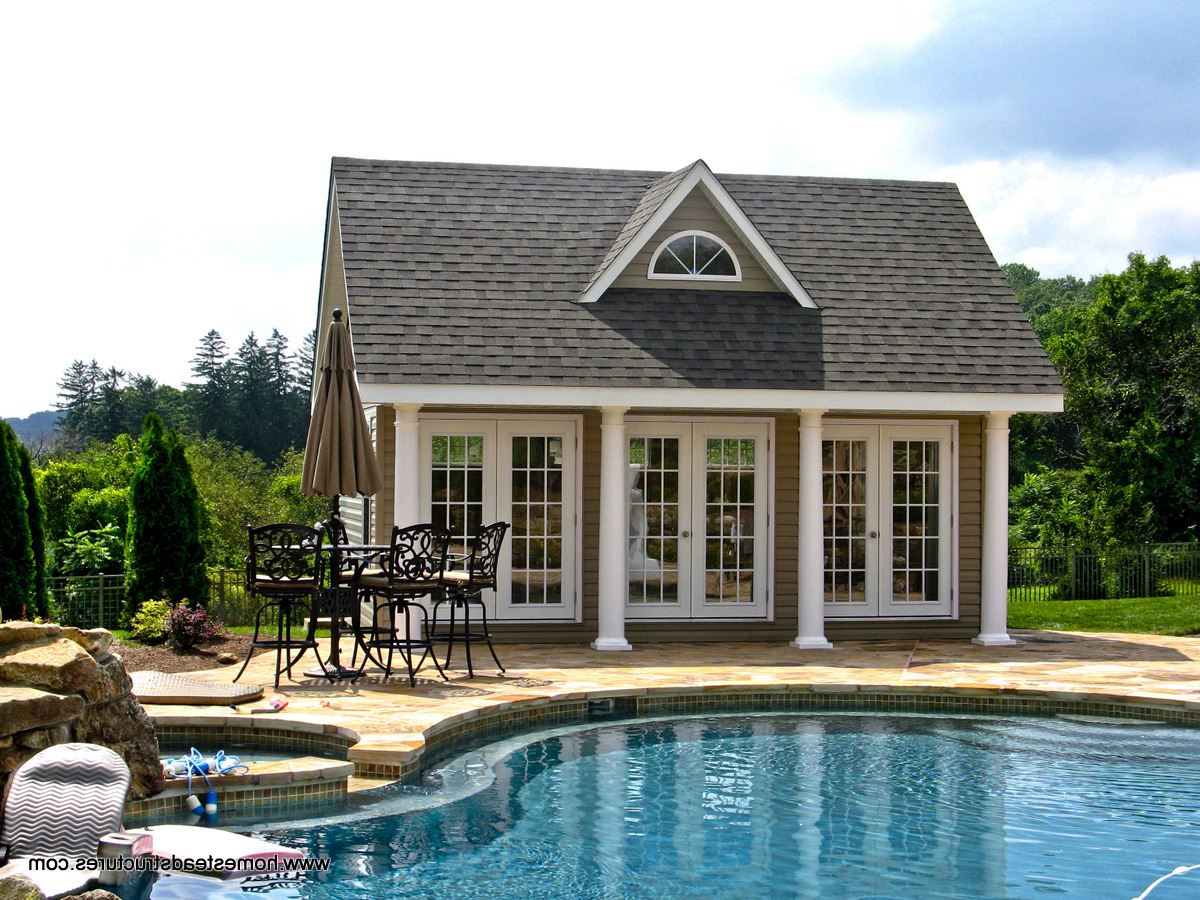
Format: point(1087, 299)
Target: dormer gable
point(690, 211)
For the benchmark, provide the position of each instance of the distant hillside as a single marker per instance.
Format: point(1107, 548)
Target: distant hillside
point(40, 424)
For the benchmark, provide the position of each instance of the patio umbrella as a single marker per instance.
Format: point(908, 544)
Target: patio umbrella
point(338, 456)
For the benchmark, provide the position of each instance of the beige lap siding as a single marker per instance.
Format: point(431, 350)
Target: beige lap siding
point(783, 625)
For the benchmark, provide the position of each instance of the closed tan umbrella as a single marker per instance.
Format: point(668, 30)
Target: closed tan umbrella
point(338, 456)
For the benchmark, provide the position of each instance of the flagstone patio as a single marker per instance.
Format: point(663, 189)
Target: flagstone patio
point(395, 723)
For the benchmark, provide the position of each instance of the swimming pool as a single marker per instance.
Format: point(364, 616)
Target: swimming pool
point(785, 806)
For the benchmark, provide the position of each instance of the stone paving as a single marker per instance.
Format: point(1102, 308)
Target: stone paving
point(393, 720)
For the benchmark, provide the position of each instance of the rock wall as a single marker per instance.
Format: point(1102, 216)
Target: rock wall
point(60, 684)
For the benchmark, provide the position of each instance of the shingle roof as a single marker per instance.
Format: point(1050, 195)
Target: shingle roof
point(489, 261)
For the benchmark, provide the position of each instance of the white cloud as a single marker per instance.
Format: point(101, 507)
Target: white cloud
point(1081, 219)
point(168, 165)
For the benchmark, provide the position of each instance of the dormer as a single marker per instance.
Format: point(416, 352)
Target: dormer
point(688, 231)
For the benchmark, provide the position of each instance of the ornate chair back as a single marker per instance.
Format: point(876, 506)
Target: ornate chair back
point(417, 556)
point(482, 561)
point(284, 557)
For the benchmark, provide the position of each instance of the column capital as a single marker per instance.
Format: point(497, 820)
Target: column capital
point(811, 418)
point(613, 415)
point(998, 421)
point(406, 413)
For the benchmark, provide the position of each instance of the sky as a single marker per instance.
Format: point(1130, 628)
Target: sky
point(167, 165)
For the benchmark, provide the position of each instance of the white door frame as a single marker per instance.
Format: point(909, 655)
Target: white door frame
point(692, 572)
point(497, 431)
point(879, 605)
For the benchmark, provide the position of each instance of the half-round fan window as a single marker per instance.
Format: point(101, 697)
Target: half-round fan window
point(697, 255)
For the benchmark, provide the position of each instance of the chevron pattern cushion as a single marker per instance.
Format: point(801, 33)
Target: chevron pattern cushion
point(63, 800)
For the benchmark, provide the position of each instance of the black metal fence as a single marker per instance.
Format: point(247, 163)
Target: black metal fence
point(87, 601)
point(1034, 573)
point(94, 601)
point(1089, 573)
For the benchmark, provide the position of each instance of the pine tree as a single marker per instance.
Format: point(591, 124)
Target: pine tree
point(252, 395)
point(210, 396)
point(108, 419)
point(306, 363)
point(41, 603)
point(79, 397)
point(16, 545)
point(161, 548)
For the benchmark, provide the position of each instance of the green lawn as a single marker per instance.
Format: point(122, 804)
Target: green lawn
point(1142, 615)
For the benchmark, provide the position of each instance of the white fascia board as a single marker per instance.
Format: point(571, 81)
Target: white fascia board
point(332, 225)
point(729, 211)
point(532, 396)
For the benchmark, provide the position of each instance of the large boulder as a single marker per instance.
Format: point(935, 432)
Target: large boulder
point(60, 684)
point(58, 664)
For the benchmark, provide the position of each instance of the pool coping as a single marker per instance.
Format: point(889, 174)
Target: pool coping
point(404, 755)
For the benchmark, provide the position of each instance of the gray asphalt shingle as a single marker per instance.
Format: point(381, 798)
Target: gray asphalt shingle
point(490, 261)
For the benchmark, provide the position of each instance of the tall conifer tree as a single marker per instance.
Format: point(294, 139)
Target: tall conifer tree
point(162, 555)
point(41, 604)
point(16, 546)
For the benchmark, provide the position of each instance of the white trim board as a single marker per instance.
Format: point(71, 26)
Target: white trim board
point(839, 402)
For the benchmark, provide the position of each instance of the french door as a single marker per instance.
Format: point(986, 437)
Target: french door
point(518, 471)
point(698, 519)
point(888, 502)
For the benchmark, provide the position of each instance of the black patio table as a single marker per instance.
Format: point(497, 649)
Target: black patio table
point(338, 599)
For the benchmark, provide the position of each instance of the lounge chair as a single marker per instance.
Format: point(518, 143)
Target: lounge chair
point(68, 802)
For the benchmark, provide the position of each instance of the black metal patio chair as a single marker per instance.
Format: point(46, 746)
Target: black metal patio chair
point(285, 570)
point(410, 569)
point(464, 591)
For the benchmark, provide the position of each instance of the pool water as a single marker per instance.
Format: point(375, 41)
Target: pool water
point(789, 806)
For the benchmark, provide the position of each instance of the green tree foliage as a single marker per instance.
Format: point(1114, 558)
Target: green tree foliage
point(1132, 378)
point(193, 571)
point(233, 485)
point(1055, 306)
point(99, 404)
point(256, 399)
point(16, 545)
point(163, 559)
point(291, 505)
point(209, 397)
point(87, 489)
point(96, 551)
point(37, 536)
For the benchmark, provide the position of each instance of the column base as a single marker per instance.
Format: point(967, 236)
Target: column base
point(611, 644)
point(810, 643)
point(994, 640)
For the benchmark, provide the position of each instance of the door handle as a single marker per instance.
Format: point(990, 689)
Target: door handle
point(685, 534)
point(873, 534)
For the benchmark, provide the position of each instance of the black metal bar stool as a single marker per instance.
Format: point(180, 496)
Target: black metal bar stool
point(411, 569)
point(284, 569)
point(464, 591)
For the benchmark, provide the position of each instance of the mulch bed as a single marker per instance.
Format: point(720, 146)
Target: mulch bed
point(166, 658)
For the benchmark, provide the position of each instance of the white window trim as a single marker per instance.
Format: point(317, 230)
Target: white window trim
point(694, 232)
point(769, 421)
point(956, 519)
point(471, 423)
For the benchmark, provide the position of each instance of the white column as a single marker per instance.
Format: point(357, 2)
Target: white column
point(406, 486)
point(614, 530)
point(406, 501)
point(993, 614)
point(811, 635)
